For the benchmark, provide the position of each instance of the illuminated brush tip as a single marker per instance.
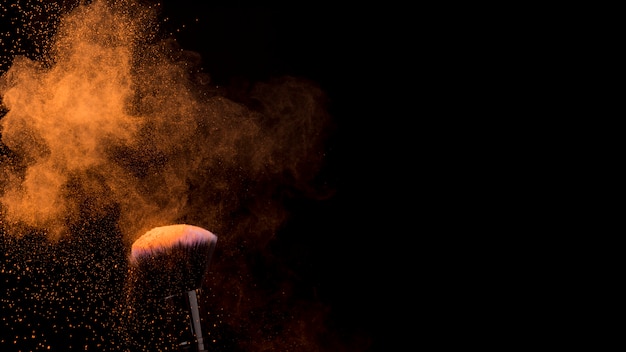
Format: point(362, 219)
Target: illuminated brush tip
point(161, 238)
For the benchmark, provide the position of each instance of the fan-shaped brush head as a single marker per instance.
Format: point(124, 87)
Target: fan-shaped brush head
point(172, 259)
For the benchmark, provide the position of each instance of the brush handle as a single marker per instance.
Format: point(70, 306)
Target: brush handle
point(195, 319)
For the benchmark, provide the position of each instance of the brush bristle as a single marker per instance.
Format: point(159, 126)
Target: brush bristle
point(161, 239)
point(172, 259)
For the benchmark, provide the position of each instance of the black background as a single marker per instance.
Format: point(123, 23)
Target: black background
point(336, 244)
point(342, 243)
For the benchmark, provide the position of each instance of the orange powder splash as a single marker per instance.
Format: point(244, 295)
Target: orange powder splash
point(66, 110)
point(113, 119)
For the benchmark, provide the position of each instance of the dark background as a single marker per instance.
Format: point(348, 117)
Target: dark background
point(336, 246)
point(339, 245)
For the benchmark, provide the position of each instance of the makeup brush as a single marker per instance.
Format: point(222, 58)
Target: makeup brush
point(170, 261)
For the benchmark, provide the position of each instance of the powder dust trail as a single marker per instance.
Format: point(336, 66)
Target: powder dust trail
point(64, 111)
point(109, 120)
point(113, 109)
